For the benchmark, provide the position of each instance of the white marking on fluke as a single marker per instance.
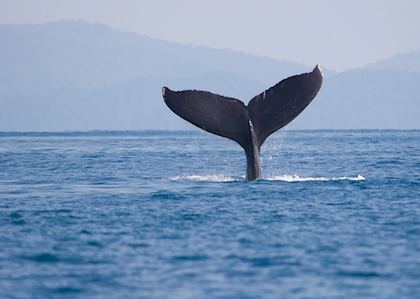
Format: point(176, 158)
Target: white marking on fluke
point(318, 66)
point(163, 91)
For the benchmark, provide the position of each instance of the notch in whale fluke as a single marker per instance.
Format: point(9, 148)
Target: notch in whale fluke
point(247, 125)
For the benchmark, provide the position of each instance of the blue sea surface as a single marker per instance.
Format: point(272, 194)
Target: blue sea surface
point(170, 215)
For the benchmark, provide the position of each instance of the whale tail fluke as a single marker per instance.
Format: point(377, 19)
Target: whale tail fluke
point(223, 116)
point(280, 104)
point(247, 125)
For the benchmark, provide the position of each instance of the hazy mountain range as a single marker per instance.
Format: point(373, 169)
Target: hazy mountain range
point(80, 76)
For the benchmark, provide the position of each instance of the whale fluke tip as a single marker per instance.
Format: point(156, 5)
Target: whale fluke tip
point(319, 69)
point(164, 88)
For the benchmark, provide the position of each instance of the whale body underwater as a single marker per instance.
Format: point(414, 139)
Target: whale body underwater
point(249, 125)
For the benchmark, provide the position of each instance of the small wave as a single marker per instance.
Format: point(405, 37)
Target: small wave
point(44, 258)
point(205, 178)
point(296, 178)
point(165, 194)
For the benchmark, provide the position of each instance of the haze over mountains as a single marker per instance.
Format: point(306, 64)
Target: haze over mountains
point(80, 76)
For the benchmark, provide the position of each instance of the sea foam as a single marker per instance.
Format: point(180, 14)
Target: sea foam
point(296, 178)
point(283, 178)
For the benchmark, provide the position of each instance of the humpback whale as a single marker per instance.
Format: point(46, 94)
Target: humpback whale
point(249, 125)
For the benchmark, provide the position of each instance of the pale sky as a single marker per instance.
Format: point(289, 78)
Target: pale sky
point(338, 34)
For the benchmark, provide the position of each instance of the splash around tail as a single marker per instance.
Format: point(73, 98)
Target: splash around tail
point(280, 178)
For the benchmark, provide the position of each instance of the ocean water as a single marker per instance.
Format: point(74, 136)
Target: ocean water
point(169, 215)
